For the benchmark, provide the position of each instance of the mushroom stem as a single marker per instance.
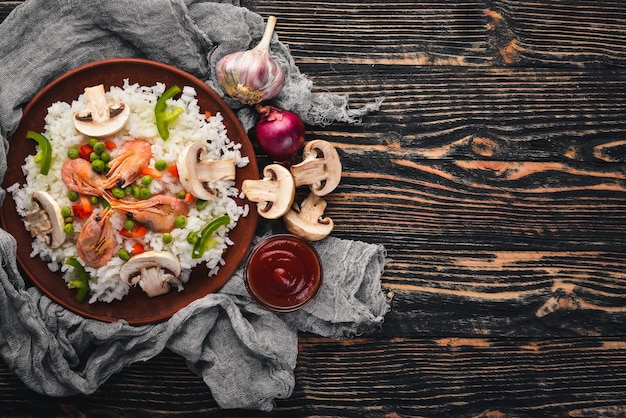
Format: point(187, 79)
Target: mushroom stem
point(213, 170)
point(97, 103)
point(311, 168)
point(320, 168)
point(307, 220)
point(312, 208)
point(100, 118)
point(198, 175)
point(261, 190)
point(274, 193)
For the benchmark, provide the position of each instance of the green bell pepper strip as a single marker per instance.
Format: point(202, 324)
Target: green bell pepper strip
point(163, 116)
point(81, 283)
point(44, 157)
point(205, 242)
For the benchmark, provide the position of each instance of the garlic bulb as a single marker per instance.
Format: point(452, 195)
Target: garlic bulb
point(252, 76)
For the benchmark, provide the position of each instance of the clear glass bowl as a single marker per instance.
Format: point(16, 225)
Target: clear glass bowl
point(283, 273)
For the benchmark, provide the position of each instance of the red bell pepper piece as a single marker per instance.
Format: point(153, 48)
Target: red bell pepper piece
point(152, 172)
point(85, 151)
point(137, 231)
point(173, 170)
point(84, 209)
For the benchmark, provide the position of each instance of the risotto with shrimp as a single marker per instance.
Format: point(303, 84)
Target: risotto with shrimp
point(130, 208)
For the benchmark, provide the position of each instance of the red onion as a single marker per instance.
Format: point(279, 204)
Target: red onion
point(280, 133)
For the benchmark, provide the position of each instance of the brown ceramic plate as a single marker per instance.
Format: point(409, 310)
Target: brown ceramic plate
point(136, 307)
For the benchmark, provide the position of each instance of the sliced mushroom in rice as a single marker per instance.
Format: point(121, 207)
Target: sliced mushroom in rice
point(154, 271)
point(45, 219)
point(100, 118)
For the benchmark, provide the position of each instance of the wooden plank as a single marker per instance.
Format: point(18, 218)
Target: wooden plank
point(527, 114)
point(466, 33)
point(440, 376)
point(424, 33)
point(465, 293)
point(6, 7)
point(556, 33)
point(496, 114)
point(467, 205)
point(494, 176)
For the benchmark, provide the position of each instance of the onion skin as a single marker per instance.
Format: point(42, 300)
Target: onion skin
point(280, 133)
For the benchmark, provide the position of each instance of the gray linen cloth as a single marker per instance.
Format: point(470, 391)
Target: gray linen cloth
point(245, 354)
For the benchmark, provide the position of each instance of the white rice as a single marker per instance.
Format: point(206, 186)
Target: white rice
point(190, 126)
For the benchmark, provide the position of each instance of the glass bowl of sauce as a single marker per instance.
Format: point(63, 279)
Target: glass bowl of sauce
point(283, 273)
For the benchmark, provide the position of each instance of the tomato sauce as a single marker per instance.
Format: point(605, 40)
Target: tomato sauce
point(283, 273)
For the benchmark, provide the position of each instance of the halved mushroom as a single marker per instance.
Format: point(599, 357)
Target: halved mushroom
point(199, 176)
point(45, 219)
point(152, 270)
point(307, 220)
point(100, 118)
point(274, 193)
point(320, 168)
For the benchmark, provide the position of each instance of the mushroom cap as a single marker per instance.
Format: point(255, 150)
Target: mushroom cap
point(152, 270)
point(320, 168)
point(198, 176)
point(274, 193)
point(56, 234)
point(307, 220)
point(100, 118)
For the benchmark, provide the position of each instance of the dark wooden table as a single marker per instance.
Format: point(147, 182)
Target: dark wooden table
point(495, 176)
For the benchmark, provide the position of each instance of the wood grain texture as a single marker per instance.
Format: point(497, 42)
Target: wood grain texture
point(445, 376)
point(563, 33)
point(497, 114)
point(494, 174)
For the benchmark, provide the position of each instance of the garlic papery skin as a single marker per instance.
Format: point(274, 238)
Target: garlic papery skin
point(252, 76)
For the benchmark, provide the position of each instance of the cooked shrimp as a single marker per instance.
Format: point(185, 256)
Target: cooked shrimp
point(125, 168)
point(78, 176)
point(95, 243)
point(157, 213)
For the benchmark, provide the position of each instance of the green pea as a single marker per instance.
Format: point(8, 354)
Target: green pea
point(93, 157)
point(105, 156)
point(123, 254)
point(160, 165)
point(92, 142)
point(146, 180)
point(134, 191)
point(129, 224)
point(167, 238)
point(68, 229)
point(97, 166)
point(180, 221)
point(72, 195)
point(99, 147)
point(181, 194)
point(66, 211)
point(145, 193)
point(118, 192)
point(73, 153)
point(201, 204)
point(192, 237)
